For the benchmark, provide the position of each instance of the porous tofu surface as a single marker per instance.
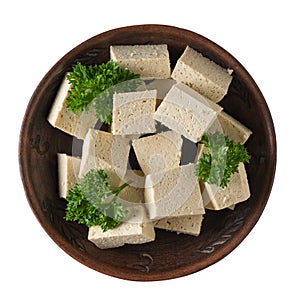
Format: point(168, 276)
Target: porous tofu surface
point(133, 113)
point(103, 150)
point(230, 127)
point(146, 60)
point(62, 118)
point(202, 74)
point(187, 112)
point(68, 170)
point(174, 192)
point(236, 191)
point(158, 152)
point(183, 224)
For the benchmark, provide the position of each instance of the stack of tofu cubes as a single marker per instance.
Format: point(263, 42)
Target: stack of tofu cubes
point(164, 193)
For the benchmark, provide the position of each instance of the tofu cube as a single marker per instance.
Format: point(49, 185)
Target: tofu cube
point(68, 170)
point(158, 152)
point(62, 118)
point(230, 127)
point(102, 150)
point(137, 230)
point(185, 224)
point(202, 74)
point(146, 60)
point(236, 191)
point(133, 113)
point(174, 192)
point(187, 112)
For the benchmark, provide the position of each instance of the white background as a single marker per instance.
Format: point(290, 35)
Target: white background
point(262, 35)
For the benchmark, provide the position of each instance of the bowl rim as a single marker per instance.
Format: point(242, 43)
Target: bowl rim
point(211, 47)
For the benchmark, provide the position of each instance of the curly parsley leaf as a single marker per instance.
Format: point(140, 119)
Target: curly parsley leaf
point(220, 160)
point(92, 202)
point(95, 84)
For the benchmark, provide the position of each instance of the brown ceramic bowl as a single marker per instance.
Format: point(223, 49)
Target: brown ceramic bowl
point(170, 255)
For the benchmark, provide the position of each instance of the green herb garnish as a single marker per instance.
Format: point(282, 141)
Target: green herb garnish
point(220, 160)
point(97, 84)
point(93, 202)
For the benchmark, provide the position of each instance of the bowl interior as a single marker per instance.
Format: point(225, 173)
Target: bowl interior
point(170, 255)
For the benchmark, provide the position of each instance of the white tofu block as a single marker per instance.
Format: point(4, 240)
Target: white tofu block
point(135, 231)
point(68, 170)
point(185, 224)
point(62, 118)
point(158, 152)
point(187, 112)
point(133, 113)
point(102, 150)
point(175, 192)
point(202, 74)
point(230, 127)
point(236, 191)
point(146, 60)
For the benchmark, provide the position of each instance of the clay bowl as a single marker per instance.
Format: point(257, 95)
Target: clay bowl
point(170, 255)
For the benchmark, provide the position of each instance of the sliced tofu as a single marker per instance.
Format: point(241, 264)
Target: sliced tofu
point(133, 113)
point(187, 112)
point(174, 192)
point(158, 152)
point(186, 224)
point(229, 126)
point(137, 230)
point(62, 118)
point(68, 170)
point(146, 60)
point(103, 150)
point(202, 74)
point(237, 190)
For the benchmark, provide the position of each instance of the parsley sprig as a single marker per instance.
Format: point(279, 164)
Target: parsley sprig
point(95, 84)
point(93, 202)
point(220, 160)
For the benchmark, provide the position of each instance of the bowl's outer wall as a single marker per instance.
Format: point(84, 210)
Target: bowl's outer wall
point(171, 255)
